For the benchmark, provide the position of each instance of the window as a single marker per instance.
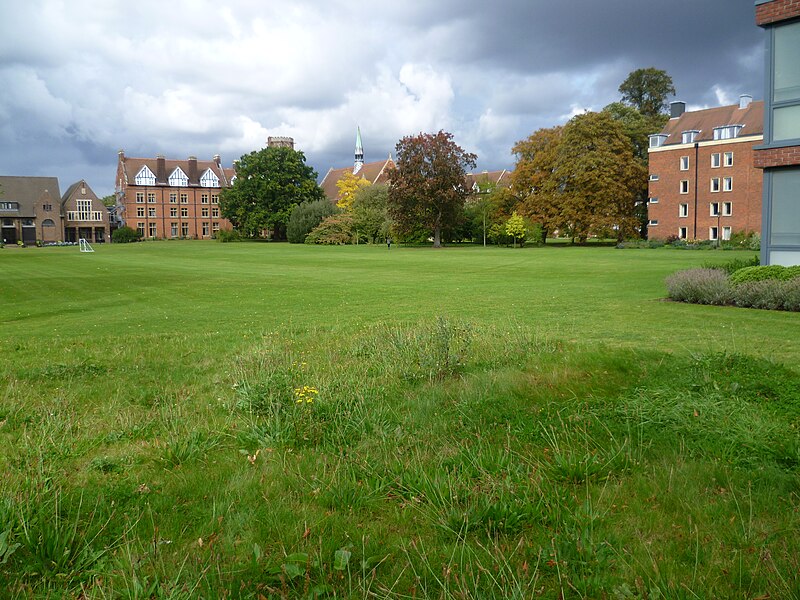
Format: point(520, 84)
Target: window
point(728, 159)
point(215, 212)
point(184, 198)
point(184, 212)
point(726, 233)
point(715, 160)
point(652, 222)
point(173, 198)
point(173, 230)
point(685, 186)
point(683, 210)
point(48, 223)
point(205, 229)
point(209, 179)
point(727, 209)
point(9, 206)
point(713, 209)
point(215, 227)
point(653, 200)
point(203, 198)
point(656, 141)
point(653, 177)
point(204, 211)
point(727, 184)
point(151, 212)
point(140, 229)
point(173, 211)
point(786, 82)
point(153, 230)
point(684, 163)
point(184, 229)
point(178, 178)
point(785, 221)
point(712, 233)
point(682, 233)
point(151, 198)
point(688, 137)
point(715, 184)
point(145, 177)
point(727, 132)
point(214, 198)
point(139, 197)
point(140, 211)
point(48, 207)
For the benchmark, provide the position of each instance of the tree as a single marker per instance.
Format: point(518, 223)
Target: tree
point(348, 186)
point(370, 218)
point(647, 90)
point(109, 201)
point(427, 188)
point(305, 217)
point(533, 179)
point(597, 177)
point(515, 227)
point(269, 183)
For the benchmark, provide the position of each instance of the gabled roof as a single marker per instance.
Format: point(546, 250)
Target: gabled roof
point(27, 191)
point(130, 166)
point(704, 121)
point(374, 172)
point(498, 178)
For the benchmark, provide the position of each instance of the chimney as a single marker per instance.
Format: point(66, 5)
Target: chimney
point(676, 109)
point(121, 155)
point(217, 160)
point(192, 174)
point(745, 100)
point(161, 168)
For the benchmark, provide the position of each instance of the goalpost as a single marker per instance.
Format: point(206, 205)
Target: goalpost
point(85, 246)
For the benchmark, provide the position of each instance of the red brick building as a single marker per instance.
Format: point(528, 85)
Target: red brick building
point(703, 182)
point(167, 198)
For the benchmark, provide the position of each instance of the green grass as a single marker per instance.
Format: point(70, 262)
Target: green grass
point(488, 423)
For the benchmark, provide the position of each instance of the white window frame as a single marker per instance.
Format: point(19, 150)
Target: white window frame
point(684, 163)
point(715, 160)
point(653, 177)
point(178, 178)
point(145, 177)
point(652, 223)
point(684, 186)
point(683, 210)
point(653, 200)
point(714, 185)
point(712, 233)
point(727, 184)
point(727, 209)
point(153, 230)
point(713, 209)
point(682, 233)
point(728, 159)
point(209, 179)
point(726, 233)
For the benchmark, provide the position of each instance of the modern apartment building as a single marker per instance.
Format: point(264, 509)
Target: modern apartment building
point(167, 198)
point(703, 182)
point(779, 155)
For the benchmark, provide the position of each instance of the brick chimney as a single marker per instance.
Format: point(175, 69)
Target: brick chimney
point(161, 169)
point(676, 109)
point(192, 174)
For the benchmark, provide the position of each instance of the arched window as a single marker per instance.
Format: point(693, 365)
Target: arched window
point(48, 223)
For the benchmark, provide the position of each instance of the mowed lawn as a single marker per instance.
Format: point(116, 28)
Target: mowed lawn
point(246, 420)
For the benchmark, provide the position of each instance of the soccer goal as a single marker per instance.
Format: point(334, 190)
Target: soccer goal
point(85, 246)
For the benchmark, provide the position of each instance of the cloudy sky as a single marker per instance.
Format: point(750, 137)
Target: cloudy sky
point(82, 79)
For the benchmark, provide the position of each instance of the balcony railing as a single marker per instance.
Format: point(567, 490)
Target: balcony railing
point(94, 216)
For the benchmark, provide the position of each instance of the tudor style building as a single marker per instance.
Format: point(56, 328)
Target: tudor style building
point(168, 198)
point(779, 156)
point(703, 182)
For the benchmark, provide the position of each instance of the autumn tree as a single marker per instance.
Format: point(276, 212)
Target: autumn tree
point(427, 188)
point(515, 227)
point(348, 186)
point(533, 180)
point(596, 176)
point(647, 90)
point(269, 183)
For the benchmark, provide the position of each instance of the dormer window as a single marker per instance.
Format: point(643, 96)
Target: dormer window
point(209, 179)
point(688, 137)
point(145, 177)
point(728, 132)
point(657, 140)
point(178, 178)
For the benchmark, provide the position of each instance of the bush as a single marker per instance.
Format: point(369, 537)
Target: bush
point(334, 230)
point(305, 217)
point(125, 235)
point(699, 286)
point(734, 265)
point(761, 273)
point(228, 235)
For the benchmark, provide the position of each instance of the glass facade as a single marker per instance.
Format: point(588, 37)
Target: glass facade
point(785, 221)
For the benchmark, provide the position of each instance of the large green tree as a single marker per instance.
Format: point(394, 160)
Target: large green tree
point(370, 218)
point(427, 188)
point(647, 90)
point(269, 183)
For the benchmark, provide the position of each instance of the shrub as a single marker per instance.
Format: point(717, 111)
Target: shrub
point(761, 273)
point(791, 273)
point(791, 295)
point(228, 235)
point(125, 235)
point(734, 265)
point(699, 286)
point(766, 294)
point(305, 217)
point(334, 230)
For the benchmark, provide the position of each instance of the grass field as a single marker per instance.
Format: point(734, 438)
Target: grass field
point(202, 420)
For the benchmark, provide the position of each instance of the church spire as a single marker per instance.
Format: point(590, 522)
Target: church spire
point(359, 162)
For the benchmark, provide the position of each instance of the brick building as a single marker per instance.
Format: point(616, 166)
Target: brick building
point(85, 216)
point(779, 156)
point(703, 182)
point(167, 198)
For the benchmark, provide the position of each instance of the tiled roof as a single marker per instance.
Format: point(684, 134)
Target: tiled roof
point(28, 191)
point(131, 167)
point(498, 178)
point(704, 121)
point(374, 172)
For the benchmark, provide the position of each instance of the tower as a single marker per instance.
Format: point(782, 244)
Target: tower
point(359, 162)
